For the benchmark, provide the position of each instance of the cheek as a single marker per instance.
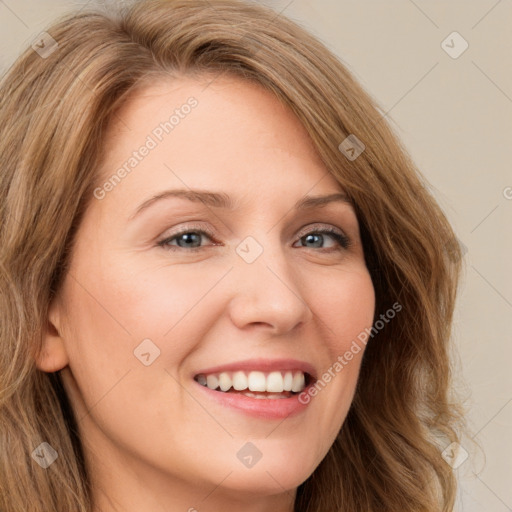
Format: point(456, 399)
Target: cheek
point(109, 315)
point(167, 303)
point(98, 338)
point(346, 305)
point(173, 307)
point(345, 308)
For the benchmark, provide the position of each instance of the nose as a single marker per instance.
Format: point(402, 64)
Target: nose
point(267, 292)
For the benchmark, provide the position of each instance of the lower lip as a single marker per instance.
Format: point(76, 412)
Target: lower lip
point(270, 408)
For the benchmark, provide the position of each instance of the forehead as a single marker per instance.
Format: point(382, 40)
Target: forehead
point(226, 133)
point(225, 106)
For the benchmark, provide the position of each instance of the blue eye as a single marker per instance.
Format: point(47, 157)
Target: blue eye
point(185, 240)
point(318, 237)
point(191, 240)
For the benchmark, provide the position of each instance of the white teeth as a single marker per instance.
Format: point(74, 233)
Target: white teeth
point(239, 381)
point(212, 382)
point(275, 382)
point(256, 381)
point(253, 395)
point(288, 381)
point(298, 382)
point(224, 381)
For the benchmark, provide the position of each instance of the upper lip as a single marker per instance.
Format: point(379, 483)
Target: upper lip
point(262, 365)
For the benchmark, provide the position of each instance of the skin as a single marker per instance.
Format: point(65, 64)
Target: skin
point(152, 441)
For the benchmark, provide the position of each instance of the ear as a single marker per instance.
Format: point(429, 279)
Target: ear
point(53, 356)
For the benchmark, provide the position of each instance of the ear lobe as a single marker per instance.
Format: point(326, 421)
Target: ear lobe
point(53, 356)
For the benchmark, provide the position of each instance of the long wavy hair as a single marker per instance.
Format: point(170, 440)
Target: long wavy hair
point(54, 112)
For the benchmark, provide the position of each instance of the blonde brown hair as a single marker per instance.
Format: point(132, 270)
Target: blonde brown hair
point(54, 112)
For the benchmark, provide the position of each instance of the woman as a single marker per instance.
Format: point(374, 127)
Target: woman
point(225, 284)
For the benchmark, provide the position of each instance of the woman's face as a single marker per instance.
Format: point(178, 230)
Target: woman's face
point(237, 283)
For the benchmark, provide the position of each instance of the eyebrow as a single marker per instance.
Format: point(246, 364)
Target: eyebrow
point(222, 200)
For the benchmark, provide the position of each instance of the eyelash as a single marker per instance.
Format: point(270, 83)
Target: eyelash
point(343, 241)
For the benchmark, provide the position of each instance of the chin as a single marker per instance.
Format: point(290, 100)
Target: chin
point(264, 482)
point(271, 474)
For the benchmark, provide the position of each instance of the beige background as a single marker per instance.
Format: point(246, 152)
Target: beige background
point(455, 117)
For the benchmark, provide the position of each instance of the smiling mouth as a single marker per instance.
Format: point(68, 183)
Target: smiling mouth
point(257, 384)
